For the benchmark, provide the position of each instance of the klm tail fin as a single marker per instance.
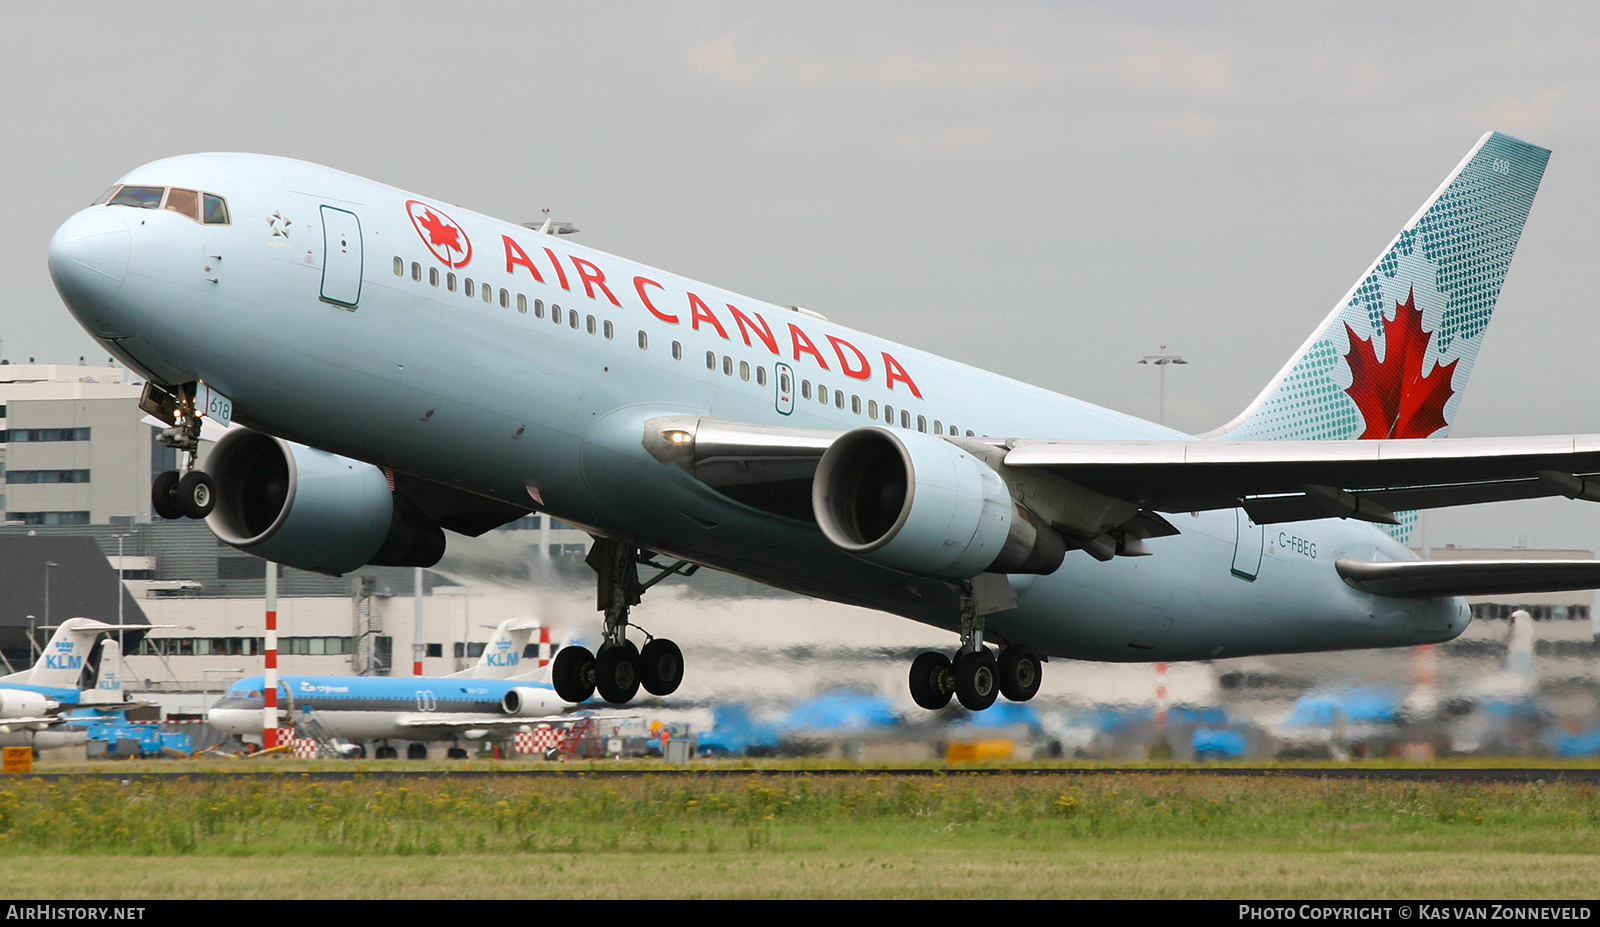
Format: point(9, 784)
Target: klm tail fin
point(108, 677)
point(1392, 359)
point(64, 659)
point(502, 655)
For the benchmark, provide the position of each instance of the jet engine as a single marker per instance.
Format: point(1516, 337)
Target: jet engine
point(313, 510)
point(20, 703)
point(918, 503)
point(527, 702)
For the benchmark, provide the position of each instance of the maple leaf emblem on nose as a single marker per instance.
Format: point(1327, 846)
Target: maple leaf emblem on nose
point(1395, 398)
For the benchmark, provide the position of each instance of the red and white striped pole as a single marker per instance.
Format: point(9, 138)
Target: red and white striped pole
point(417, 647)
point(269, 715)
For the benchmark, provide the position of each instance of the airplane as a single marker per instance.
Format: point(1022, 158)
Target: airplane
point(71, 676)
point(496, 696)
point(381, 708)
point(402, 367)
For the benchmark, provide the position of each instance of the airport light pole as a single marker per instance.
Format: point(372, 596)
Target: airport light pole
point(48, 566)
point(120, 592)
point(1161, 362)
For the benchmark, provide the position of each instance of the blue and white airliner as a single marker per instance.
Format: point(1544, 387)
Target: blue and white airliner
point(498, 696)
point(402, 367)
point(71, 675)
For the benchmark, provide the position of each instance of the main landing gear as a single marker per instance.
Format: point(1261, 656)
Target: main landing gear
point(620, 669)
point(185, 492)
point(975, 677)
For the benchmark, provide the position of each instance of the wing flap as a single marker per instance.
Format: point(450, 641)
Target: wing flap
point(1430, 578)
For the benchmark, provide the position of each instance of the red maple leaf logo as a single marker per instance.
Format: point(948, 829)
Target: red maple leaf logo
point(440, 234)
point(1395, 399)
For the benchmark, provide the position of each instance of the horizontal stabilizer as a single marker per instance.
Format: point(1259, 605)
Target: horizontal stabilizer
point(1430, 578)
point(1278, 481)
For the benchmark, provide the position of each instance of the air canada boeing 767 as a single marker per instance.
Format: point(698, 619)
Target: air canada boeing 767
point(402, 367)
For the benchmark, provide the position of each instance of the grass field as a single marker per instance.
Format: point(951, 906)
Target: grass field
point(866, 836)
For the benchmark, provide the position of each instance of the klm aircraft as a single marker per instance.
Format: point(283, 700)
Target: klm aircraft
point(498, 696)
point(403, 367)
point(72, 673)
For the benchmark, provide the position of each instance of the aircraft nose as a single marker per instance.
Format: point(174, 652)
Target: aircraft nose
point(88, 259)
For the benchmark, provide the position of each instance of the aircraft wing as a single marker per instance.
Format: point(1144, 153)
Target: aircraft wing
point(770, 467)
point(501, 722)
point(1280, 481)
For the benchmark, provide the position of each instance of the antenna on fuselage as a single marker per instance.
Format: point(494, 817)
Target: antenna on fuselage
point(550, 226)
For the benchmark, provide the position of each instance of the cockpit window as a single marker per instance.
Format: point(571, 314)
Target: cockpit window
point(177, 199)
point(216, 210)
point(184, 201)
point(142, 197)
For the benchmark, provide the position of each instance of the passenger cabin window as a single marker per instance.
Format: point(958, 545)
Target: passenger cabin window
point(644, 340)
point(538, 308)
point(522, 304)
point(761, 376)
point(467, 287)
point(450, 282)
point(677, 351)
point(399, 267)
point(433, 276)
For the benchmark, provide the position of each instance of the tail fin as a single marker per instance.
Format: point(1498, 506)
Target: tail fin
point(502, 655)
point(108, 677)
point(64, 659)
point(1393, 357)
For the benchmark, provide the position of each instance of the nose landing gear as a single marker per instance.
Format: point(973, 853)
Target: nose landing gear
point(185, 492)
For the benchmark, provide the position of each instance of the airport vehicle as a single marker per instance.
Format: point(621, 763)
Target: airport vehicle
point(403, 367)
point(76, 671)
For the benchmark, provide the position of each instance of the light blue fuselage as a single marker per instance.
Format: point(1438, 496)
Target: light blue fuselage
point(479, 396)
point(375, 707)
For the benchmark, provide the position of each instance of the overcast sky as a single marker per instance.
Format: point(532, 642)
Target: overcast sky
point(1050, 190)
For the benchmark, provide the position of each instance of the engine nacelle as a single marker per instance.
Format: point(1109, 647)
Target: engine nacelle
point(528, 702)
point(313, 510)
point(918, 503)
point(20, 703)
